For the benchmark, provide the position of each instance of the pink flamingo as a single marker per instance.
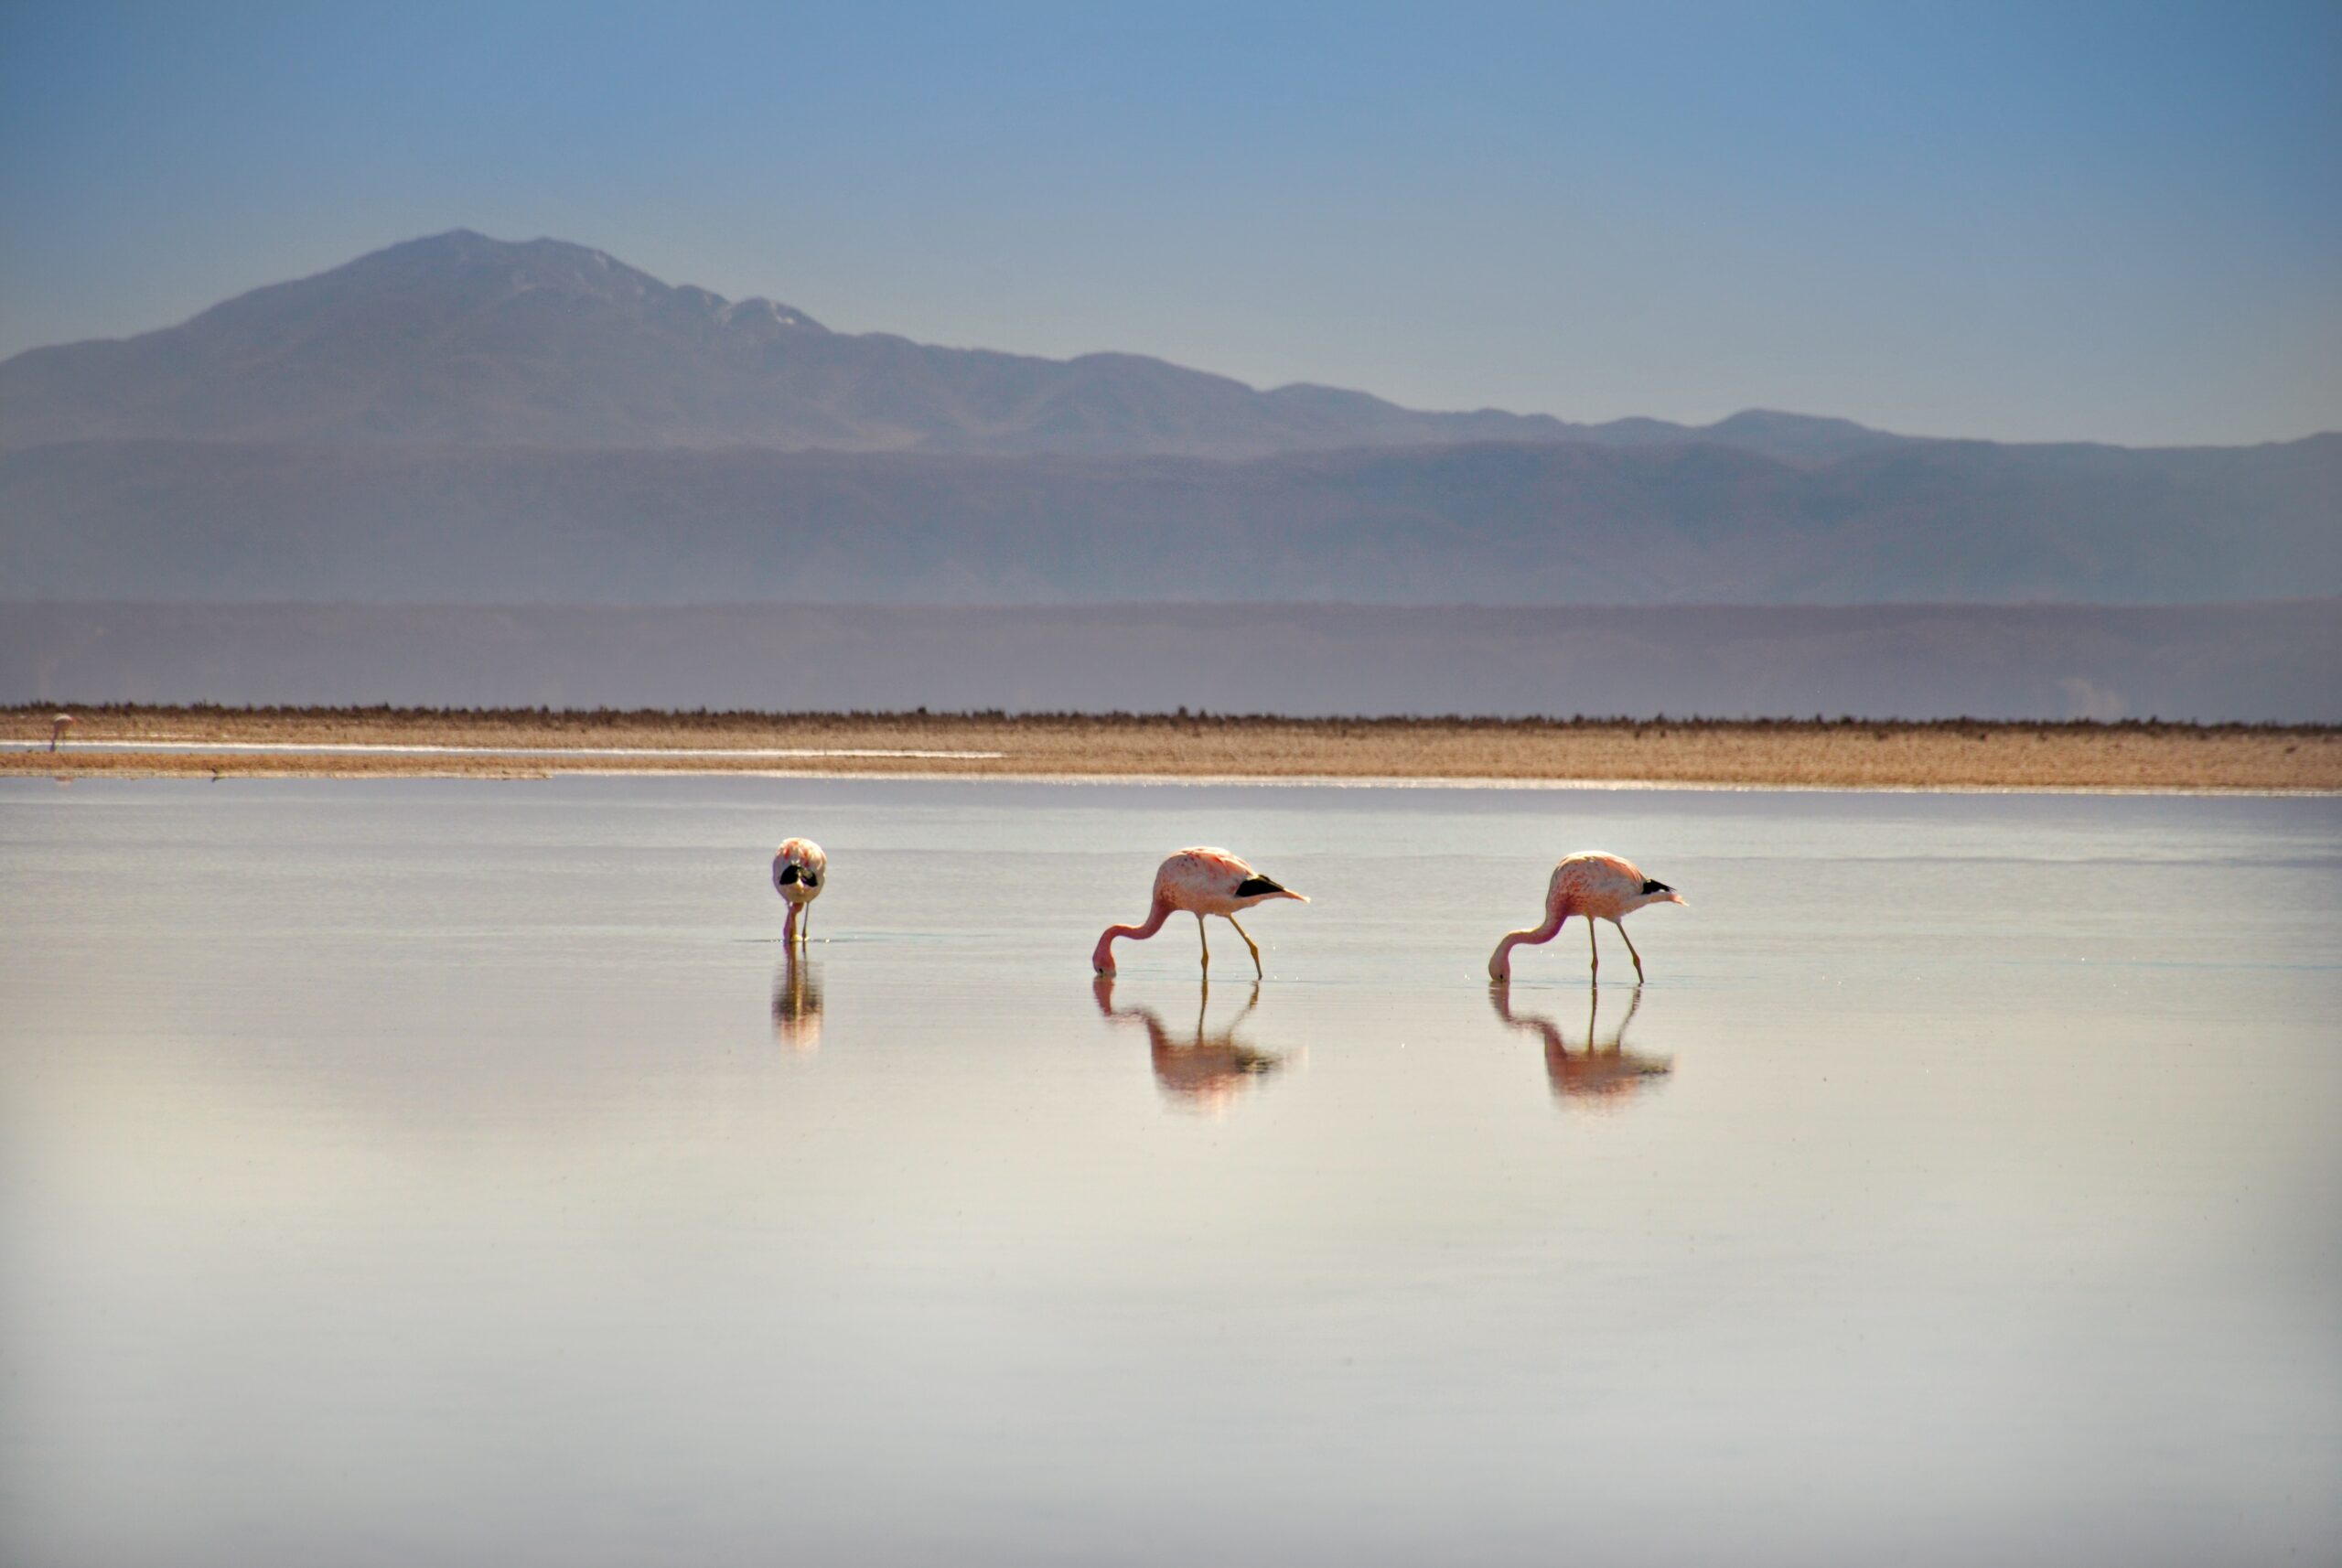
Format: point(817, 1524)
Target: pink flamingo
point(1201, 882)
point(1599, 887)
point(798, 869)
point(56, 728)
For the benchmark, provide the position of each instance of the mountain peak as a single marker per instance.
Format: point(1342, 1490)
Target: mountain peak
point(464, 250)
point(461, 338)
point(1806, 437)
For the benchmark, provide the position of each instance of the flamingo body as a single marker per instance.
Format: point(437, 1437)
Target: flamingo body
point(800, 871)
point(1597, 887)
point(1198, 882)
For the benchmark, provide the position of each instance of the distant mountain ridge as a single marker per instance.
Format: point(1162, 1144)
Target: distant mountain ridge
point(1539, 522)
point(459, 339)
point(463, 420)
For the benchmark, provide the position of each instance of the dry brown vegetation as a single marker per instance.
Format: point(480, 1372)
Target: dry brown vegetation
point(1953, 754)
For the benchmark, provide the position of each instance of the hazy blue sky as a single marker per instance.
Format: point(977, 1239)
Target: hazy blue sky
point(2121, 221)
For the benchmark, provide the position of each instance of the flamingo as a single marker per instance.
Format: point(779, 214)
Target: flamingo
point(56, 728)
point(1598, 886)
point(1202, 882)
point(799, 868)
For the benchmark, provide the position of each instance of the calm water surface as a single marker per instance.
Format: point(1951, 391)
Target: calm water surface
point(458, 1171)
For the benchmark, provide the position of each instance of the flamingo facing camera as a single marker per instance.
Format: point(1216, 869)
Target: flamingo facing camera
point(798, 869)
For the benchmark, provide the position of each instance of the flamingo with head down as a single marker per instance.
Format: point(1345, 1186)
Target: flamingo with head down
point(1201, 882)
point(1599, 887)
point(799, 870)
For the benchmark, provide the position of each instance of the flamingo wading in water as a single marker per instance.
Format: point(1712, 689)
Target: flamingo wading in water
point(798, 869)
point(1597, 886)
point(1201, 882)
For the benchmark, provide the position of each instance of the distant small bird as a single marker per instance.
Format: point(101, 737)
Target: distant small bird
point(56, 728)
point(1597, 887)
point(798, 869)
point(1201, 882)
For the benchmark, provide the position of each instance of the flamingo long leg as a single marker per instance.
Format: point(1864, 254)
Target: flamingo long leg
point(1592, 948)
point(1630, 951)
point(1202, 938)
point(1249, 942)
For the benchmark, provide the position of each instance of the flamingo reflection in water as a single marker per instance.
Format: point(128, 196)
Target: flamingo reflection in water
point(797, 1005)
point(1208, 1070)
point(1602, 1076)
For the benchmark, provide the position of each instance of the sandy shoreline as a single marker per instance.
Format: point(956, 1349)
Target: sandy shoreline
point(150, 742)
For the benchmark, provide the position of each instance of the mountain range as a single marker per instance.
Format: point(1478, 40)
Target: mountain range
point(465, 340)
point(464, 420)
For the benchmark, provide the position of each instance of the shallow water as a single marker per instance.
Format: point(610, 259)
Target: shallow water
point(455, 1171)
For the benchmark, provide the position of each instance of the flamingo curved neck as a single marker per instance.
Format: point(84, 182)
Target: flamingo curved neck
point(1500, 961)
point(1102, 960)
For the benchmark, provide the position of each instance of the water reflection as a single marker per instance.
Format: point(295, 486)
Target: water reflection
point(1207, 1070)
point(1603, 1076)
point(797, 1005)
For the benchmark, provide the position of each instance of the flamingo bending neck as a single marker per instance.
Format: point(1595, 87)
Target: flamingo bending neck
point(1102, 959)
point(1500, 961)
